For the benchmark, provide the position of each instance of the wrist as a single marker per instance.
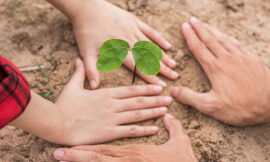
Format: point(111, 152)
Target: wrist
point(73, 8)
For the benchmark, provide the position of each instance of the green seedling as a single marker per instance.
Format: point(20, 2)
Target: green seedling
point(47, 94)
point(147, 56)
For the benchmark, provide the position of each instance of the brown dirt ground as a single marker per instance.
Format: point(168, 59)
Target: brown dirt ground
point(33, 31)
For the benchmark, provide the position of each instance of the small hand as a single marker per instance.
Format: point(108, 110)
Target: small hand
point(177, 149)
point(98, 21)
point(240, 93)
point(98, 116)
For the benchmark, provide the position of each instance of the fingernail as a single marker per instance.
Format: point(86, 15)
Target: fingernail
point(169, 116)
point(162, 83)
point(194, 20)
point(163, 109)
point(155, 128)
point(186, 25)
point(167, 100)
point(78, 62)
point(58, 154)
point(175, 91)
point(172, 62)
point(175, 74)
point(235, 40)
point(206, 25)
point(158, 89)
point(168, 45)
point(93, 84)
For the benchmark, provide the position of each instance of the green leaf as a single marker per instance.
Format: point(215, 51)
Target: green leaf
point(147, 56)
point(112, 55)
point(47, 94)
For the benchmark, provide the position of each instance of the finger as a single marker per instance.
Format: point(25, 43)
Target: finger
point(202, 54)
point(130, 64)
point(140, 115)
point(135, 131)
point(226, 41)
point(153, 35)
point(79, 75)
point(200, 101)
point(144, 102)
point(242, 48)
point(79, 156)
point(174, 126)
point(168, 72)
point(92, 72)
point(207, 38)
point(109, 150)
point(166, 59)
point(134, 91)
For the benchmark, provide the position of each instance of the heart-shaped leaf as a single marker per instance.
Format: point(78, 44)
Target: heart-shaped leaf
point(147, 56)
point(112, 55)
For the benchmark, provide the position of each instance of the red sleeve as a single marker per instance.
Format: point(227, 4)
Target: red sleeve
point(14, 92)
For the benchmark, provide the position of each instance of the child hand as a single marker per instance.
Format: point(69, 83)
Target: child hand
point(178, 148)
point(98, 116)
point(97, 21)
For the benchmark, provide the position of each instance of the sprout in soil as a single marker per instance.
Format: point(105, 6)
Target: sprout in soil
point(147, 56)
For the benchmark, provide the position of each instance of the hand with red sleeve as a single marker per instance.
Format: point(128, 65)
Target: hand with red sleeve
point(81, 116)
point(14, 92)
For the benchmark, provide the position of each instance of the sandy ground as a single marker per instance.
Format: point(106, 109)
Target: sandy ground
point(34, 32)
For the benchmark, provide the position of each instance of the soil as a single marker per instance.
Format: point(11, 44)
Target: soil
point(34, 32)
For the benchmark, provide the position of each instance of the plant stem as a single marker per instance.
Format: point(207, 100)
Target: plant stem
point(134, 74)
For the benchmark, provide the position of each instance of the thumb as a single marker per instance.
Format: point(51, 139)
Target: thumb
point(174, 126)
point(79, 75)
point(201, 101)
point(92, 72)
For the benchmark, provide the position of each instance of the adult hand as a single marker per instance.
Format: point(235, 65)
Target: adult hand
point(98, 116)
point(177, 149)
point(98, 21)
point(240, 93)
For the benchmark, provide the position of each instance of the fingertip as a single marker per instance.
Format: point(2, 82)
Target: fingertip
point(194, 20)
point(162, 83)
point(94, 84)
point(186, 26)
point(175, 92)
point(175, 75)
point(172, 63)
point(157, 89)
point(79, 62)
point(168, 45)
point(167, 119)
point(154, 129)
point(58, 154)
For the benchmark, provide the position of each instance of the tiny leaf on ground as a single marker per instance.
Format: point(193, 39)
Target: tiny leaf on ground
point(112, 55)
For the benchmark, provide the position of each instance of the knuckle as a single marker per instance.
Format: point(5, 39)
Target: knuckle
point(211, 105)
point(197, 47)
point(93, 158)
point(133, 130)
point(140, 100)
point(150, 88)
point(209, 41)
point(159, 100)
point(155, 112)
point(132, 89)
point(138, 114)
point(101, 150)
point(218, 65)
